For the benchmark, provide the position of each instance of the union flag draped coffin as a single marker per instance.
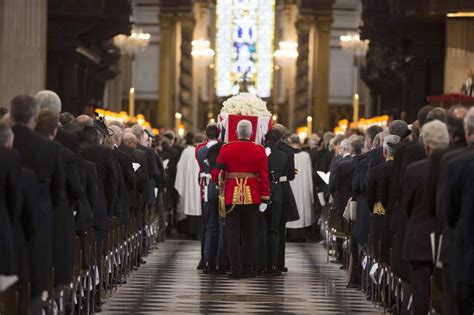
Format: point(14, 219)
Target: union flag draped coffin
point(228, 126)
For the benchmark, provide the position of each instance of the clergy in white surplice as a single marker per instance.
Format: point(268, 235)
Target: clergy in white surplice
point(302, 188)
point(187, 184)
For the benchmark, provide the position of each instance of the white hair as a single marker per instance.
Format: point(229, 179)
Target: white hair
point(469, 119)
point(435, 135)
point(49, 99)
point(393, 139)
point(118, 134)
point(346, 145)
point(244, 129)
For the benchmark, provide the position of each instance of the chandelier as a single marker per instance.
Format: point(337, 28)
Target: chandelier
point(132, 44)
point(352, 43)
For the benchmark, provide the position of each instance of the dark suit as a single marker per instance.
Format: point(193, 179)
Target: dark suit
point(374, 157)
point(408, 153)
point(362, 223)
point(10, 205)
point(459, 214)
point(286, 209)
point(89, 195)
point(43, 156)
point(421, 223)
point(63, 233)
point(107, 184)
point(153, 173)
point(378, 191)
point(128, 182)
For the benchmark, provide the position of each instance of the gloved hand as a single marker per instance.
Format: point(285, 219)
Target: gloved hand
point(262, 207)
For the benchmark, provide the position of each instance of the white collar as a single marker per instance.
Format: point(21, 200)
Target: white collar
point(211, 143)
point(346, 155)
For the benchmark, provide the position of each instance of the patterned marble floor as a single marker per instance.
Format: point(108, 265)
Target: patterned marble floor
point(170, 283)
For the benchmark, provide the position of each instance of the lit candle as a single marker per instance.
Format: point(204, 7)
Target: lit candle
point(309, 124)
point(177, 122)
point(131, 102)
point(356, 108)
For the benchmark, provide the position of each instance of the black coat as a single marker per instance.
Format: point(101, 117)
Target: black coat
point(107, 182)
point(290, 174)
point(10, 205)
point(43, 157)
point(129, 179)
point(63, 219)
point(421, 218)
point(89, 196)
point(141, 176)
point(379, 186)
point(446, 250)
point(342, 184)
point(362, 223)
point(276, 168)
point(374, 158)
point(153, 173)
point(458, 209)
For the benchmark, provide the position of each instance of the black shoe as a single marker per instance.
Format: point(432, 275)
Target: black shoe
point(249, 274)
point(353, 286)
point(343, 267)
point(336, 261)
point(220, 271)
point(142, 261)
point(208, 269)
point(97, 309)
point(199, 267)
point(284, 269)
point(235, 276)
point(274, 271)
point(261, 271)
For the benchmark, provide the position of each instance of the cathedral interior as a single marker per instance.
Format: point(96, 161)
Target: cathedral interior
point(315, 56)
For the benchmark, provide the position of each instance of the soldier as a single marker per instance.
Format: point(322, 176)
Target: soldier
point(268, 222)
point(244, 166)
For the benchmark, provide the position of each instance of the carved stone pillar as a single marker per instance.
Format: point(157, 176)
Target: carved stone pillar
point(166, 105)
point(303, 88)
point(187, 96)
point(320, 75)
point(23, 47)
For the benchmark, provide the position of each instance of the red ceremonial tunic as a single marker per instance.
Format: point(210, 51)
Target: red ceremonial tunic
point(243, 157)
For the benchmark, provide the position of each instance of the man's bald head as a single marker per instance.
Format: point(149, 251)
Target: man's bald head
point(85, 120)
point(130, 140)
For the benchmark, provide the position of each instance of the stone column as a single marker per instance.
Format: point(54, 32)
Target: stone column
point(187, 94)
point(320, 75)
point(303, 72)
point(167, 64)
point(23, 47)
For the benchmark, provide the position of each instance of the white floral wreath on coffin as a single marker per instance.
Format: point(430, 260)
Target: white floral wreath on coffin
point(246, 104)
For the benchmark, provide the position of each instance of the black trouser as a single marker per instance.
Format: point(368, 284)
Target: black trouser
point(356, 265)
point(210, 235)
point(268, 240)
point(282, 234)
point(240, 226)
point(465, 298)
point(420, 285)
point(449, 288)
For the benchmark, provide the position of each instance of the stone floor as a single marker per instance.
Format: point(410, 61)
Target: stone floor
point(170, 283)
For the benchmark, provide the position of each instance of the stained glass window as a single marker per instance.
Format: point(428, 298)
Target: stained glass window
point(244, 45)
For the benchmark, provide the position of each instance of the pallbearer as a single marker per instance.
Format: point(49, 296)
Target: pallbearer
point(244, 167)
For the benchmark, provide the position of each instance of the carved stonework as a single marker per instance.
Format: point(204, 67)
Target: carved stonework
point(302, 99)
point(186, 68)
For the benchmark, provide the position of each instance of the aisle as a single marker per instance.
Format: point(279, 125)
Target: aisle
point(169, 282)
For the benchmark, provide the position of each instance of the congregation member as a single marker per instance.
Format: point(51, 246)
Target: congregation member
point(244, 167)
point(302, 189)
